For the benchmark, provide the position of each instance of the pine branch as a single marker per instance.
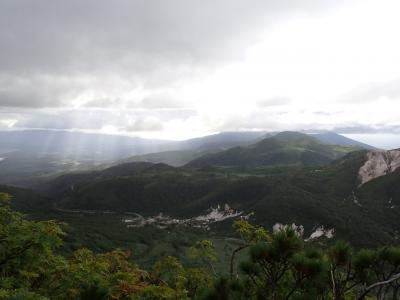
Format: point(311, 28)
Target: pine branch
point(378, 284)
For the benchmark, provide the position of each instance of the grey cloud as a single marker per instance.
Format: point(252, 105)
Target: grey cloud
point(75, 35)
point(328, 113)
point(366, 129)
point(162, 101)
point(61, 120)
point(268, 121)
point(323, 113)
point(260, 120)
point(94, 119)
point(153, 42)
point(374, 91)
point(154, 102)
point(103, 103)
point(54, 51)
point(389, 89)
point(144, 124)
point(275, 101)
point(37, 91)
point(171, 114)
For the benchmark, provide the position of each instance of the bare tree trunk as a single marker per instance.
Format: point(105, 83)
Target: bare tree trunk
point(233, 257)
point(378, 284)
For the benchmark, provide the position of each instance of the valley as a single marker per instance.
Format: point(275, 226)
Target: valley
point(199, 150)
point(287, 178)
point(286, 181)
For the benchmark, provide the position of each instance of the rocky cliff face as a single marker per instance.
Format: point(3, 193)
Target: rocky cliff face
point(379, 163)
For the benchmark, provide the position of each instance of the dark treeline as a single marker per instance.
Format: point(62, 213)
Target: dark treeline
point(278, 266)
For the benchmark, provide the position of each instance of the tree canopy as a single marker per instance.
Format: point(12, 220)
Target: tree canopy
point(279, 265)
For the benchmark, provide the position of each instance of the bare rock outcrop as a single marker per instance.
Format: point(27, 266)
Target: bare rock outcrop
point(379, 163)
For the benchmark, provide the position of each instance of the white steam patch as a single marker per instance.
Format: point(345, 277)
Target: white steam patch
point(161, 221)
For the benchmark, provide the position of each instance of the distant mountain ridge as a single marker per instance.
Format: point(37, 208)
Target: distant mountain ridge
point(74, 145)
point(191, 149)
point(31, 156)
point(285, 148)
point(100, 147)
point(332, 138)
point(181, 157)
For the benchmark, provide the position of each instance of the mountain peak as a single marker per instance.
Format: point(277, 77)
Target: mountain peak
point(293, 136)
point(284, 149)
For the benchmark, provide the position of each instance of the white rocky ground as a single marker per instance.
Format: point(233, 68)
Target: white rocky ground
point(161, 221)
point(379, 163)
point(214, 215)
point(218, 214)
point(319, 232)
point(299, 229)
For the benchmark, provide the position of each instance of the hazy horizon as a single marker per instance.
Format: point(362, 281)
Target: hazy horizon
point(381, 141)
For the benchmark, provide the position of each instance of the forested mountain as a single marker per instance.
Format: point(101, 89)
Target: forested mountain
point(26, 200)
point(329, 196)
point(332, 138)
point(154, 210)
point(286, 178)
point(199, 150)
point(29, 157)
point(74, 145)
point(214, 144)
point(81, 146)
point(283, 149)
point(294, 268)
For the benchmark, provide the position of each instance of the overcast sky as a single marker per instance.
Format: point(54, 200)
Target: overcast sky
point(176, 69)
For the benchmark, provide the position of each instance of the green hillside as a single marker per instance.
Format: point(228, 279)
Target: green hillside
point(26, 200)
point(310, 196)
point(283, 149)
